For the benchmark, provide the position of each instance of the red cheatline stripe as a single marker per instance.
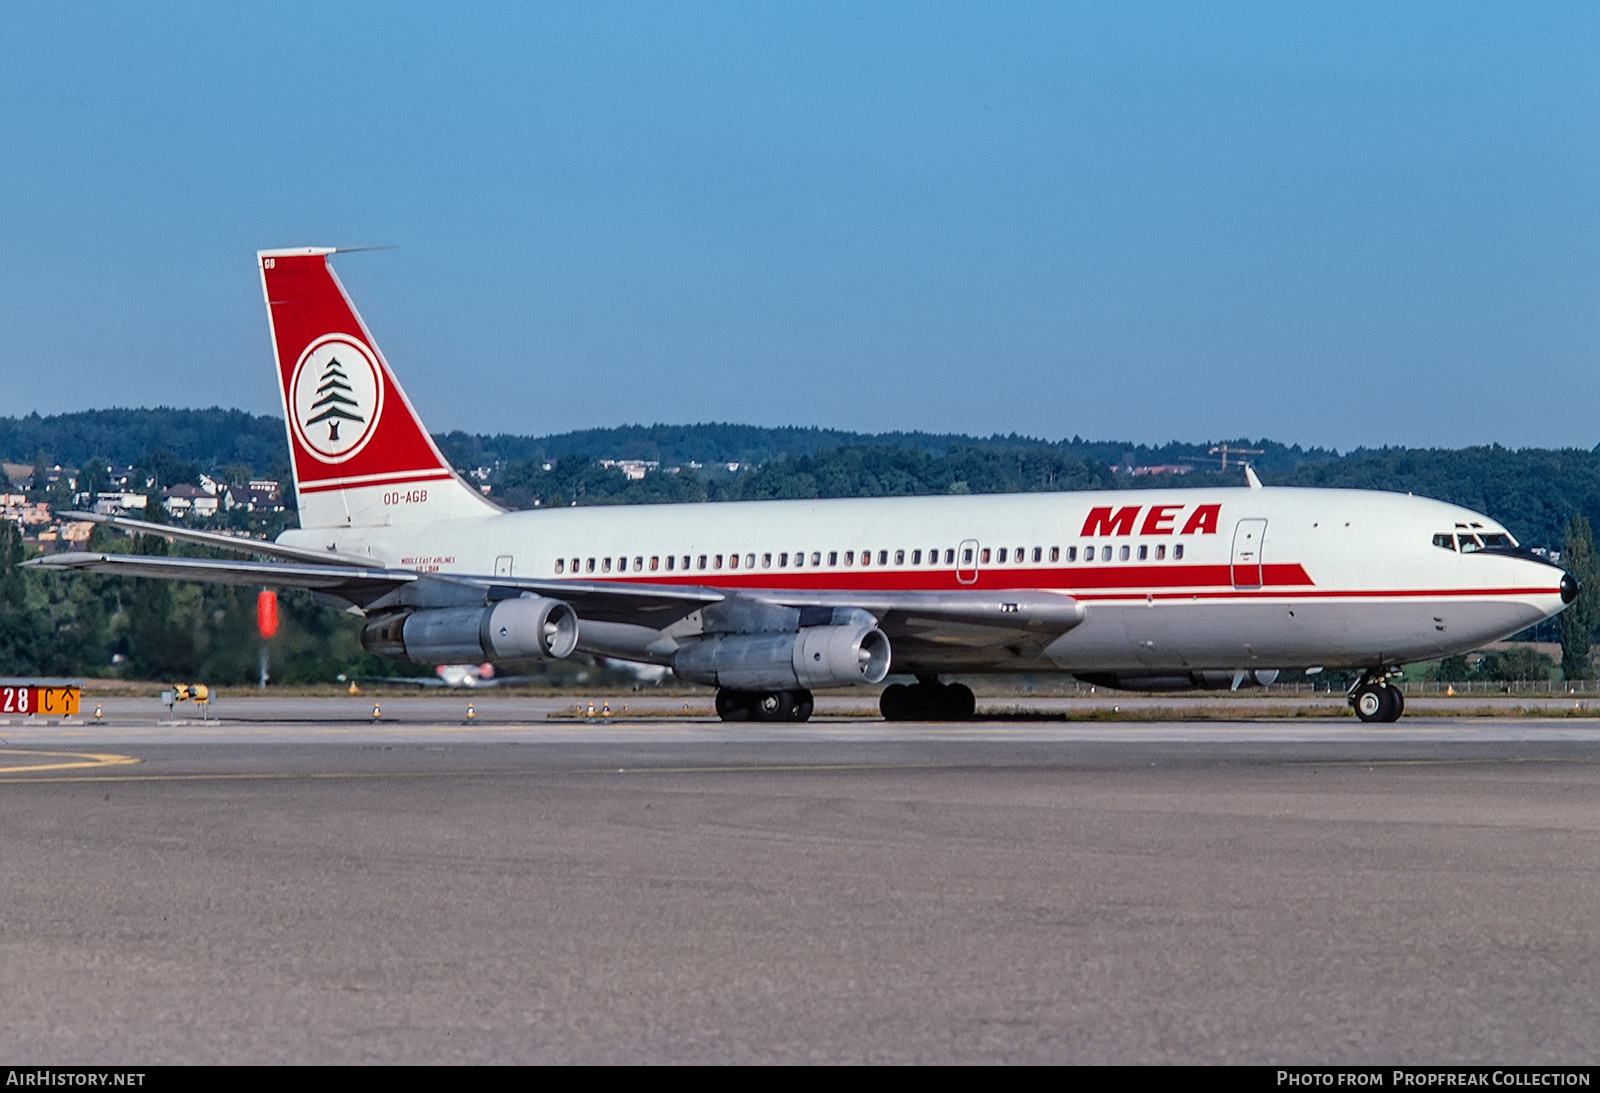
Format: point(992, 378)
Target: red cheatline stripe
point(932, 580)
point(1328, 594)
point(1206, 583)
point(397, 480)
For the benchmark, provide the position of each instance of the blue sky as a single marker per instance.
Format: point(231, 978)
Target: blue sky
point(1338, 225)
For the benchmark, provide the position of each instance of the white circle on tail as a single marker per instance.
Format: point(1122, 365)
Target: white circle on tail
point(336, 397)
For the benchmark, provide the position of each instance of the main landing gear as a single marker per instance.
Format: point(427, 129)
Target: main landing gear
point(927, 700)
point(763, 705)
point(1374, 698)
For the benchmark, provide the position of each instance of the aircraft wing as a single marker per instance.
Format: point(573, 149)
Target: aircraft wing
point(435, 683)
point(399, 681)
point(356, 584)
point(598, 600)
point(958, 617)
point(657, 605)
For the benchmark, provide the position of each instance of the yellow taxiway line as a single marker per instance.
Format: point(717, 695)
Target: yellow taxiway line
point(74, 760)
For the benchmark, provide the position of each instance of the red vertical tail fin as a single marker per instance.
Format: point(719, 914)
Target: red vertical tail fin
point(360, 453)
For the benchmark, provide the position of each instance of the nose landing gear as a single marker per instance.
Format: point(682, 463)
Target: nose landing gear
point(1374, 698)
point(764, 705)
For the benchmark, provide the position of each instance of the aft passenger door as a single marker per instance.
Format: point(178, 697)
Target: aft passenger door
point(1247, 537)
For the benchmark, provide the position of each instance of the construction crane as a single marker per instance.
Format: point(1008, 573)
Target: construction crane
point(1225, 451)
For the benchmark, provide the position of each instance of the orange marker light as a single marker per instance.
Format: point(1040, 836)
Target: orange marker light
point(267, 612)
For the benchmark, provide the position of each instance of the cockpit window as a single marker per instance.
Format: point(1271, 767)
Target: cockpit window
point(1468, 542)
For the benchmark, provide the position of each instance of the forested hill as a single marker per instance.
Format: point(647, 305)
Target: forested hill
point(752, 444)
point(1534, 491)
point(210, 439)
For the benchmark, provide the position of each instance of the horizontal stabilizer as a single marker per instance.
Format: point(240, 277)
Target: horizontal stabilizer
point(224, 541)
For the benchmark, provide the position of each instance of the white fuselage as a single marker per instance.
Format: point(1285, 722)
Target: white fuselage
point(1179, 579)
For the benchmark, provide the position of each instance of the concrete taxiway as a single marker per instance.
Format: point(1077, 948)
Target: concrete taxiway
point(299, 882)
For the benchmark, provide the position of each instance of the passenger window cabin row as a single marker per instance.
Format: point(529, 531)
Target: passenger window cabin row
point(671, 563)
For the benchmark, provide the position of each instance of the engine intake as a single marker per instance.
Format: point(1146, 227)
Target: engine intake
point(528, 627)
point(815, 656)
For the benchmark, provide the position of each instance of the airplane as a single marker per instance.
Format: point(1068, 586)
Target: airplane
point(475, 677)
point(1144, 590)
point(644, 675)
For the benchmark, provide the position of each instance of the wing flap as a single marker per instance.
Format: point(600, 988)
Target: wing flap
point(957, 617)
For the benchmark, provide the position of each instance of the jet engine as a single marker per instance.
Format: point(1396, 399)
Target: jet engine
point(528, 627)
point(814, 656)
point(1206, 680)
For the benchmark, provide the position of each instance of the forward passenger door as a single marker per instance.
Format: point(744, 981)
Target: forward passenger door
point(1247, 538)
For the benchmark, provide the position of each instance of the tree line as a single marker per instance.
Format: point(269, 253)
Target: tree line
point(145, 629)
point(1533, 491)
point(68, 625)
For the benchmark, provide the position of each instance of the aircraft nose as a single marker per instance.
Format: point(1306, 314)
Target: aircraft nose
point(1569, 588)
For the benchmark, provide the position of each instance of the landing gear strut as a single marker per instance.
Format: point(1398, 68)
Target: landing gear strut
point(1374, 698)
point(927, 700)
point(764, 705)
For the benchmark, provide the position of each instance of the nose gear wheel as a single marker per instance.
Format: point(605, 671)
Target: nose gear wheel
point(1379, 702)
point(764, 705)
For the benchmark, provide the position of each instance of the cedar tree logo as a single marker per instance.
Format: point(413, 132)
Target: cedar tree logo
point(337, 397)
